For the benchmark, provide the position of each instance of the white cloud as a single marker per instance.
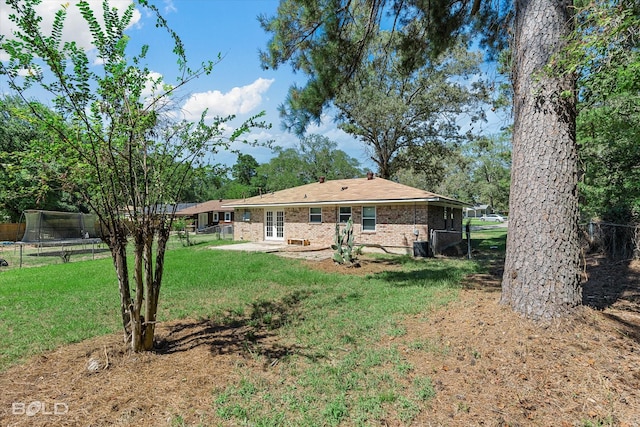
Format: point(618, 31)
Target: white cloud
point(75, 27)
point(169, 7)
point(239, 100)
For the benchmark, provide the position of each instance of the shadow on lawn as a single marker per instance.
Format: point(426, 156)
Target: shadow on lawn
point(437, 274)
point(606, 282)
point(614, 287)
point(250, 335)
point(423, 277)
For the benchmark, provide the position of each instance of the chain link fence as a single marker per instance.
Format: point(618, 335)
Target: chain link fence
point(223, 232)
point(617, 241)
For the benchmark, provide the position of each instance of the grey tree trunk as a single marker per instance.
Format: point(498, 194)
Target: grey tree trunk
point(542, 267)
point(117, 242)
point(140, 312)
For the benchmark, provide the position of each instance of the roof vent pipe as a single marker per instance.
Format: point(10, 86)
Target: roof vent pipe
point(369, 175)
point(321, 179)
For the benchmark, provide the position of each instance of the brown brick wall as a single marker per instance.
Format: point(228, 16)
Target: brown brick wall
point(251, 230)
point(394, 224)
point(297, 226)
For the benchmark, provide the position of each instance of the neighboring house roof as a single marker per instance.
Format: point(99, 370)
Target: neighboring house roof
point(478, 207)
point(179, 206)
point(160, 208)
point(345, 192)
point(210, 206)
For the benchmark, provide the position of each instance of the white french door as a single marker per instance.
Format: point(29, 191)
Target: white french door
point(274, 225)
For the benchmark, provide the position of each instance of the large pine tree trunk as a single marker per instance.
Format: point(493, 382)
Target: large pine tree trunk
point(541, 276)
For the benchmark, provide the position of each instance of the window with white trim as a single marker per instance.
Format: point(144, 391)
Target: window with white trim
point(344, 214)
point(227, 216)
point(215, 217)
point(315, 215)
point(369, 218)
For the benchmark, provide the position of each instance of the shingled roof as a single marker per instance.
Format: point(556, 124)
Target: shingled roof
point(344, 192)
point(210, 206)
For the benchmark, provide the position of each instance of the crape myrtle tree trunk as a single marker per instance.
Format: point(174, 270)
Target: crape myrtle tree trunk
point(129, 155)
point(328, 41)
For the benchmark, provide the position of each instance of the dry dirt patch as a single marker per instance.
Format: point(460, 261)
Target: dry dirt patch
point(488, 366)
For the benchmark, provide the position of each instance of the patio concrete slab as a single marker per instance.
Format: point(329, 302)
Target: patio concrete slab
point(313, 252)
point(253, 247)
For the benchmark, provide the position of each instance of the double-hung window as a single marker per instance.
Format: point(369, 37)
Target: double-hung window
point(369, 218)
point(344, 214)
point(227, 216)
point(315, 215)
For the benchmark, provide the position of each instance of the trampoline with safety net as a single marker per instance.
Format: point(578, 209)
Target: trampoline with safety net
point(49, 227)
point(60, 233)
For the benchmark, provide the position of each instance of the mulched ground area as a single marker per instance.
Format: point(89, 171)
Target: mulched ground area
point(489, 366)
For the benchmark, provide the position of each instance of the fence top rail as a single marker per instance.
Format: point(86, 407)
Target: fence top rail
point(611, 224)
point(60, 242)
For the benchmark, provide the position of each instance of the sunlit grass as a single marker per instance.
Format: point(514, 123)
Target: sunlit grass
point(335, 322)
point(490, 241)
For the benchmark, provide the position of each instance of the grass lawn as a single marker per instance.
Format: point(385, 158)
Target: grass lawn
point(33, 256)
point(478, 222)
point(43, 308)
point(490, 242)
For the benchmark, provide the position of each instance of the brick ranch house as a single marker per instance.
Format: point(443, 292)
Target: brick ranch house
point(208, 214)
point(384, 213)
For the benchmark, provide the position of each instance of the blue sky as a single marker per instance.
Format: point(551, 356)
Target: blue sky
point(238, 85)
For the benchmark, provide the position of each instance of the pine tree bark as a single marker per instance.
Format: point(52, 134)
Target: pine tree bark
point(541, 277)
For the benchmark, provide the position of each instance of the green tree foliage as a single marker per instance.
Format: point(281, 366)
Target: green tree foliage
point(16, 131)
point(488, 162)
point(320, 157)
point(478, 172)
point(609, 110)
point(608, 136)
point(130, 157)
point(404, 116)
point(329, 40)
point(315, 156)
point(244, 180)
point(30, 178)
point(202, 184)
point(244, 169)
point(232, 189)
point(240, 181)
point(401, 110)
point(284, 170)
